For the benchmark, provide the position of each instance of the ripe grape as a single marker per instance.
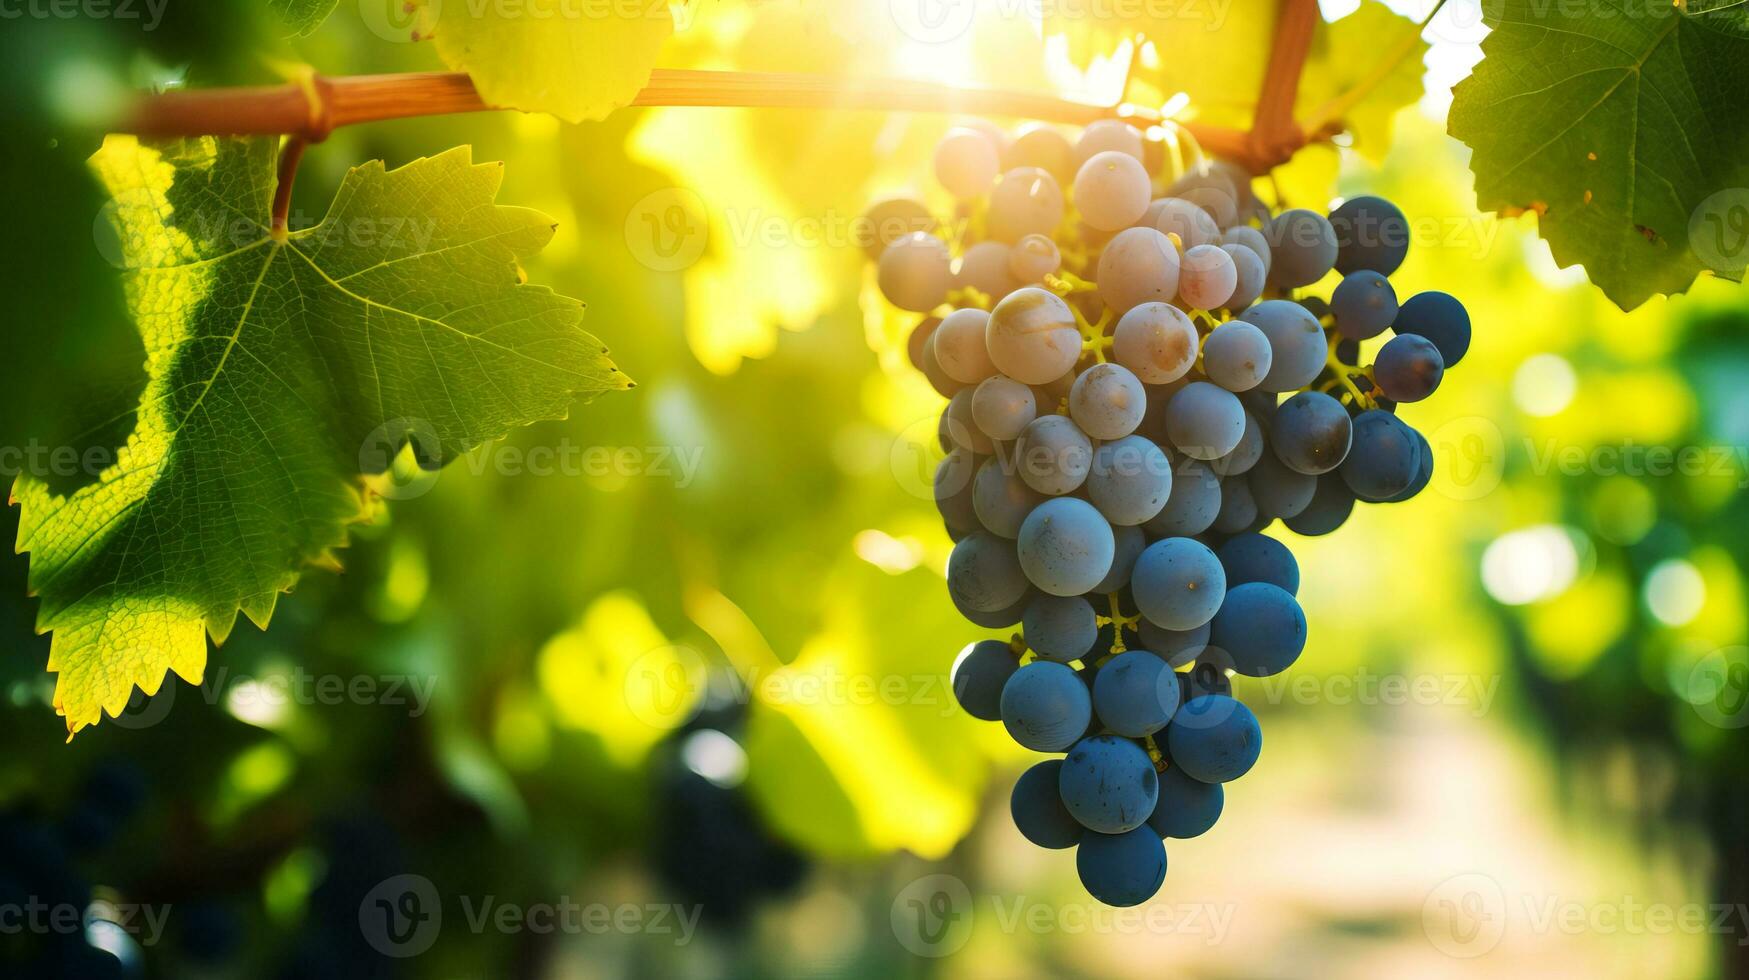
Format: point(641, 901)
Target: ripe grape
point(1364, 305)
point(1302, 246)
point(1130, 480)
point(1127, 544)
point(1121, 869)
point(1204, 421)
point(944, 386)
point(958, 428)
point(1135, 694)
point(979, 673)
point(1250, 276)
point(1440, 318)
point(1053, 455)
point(1027, 201)
point(1238, 510)
point(1108, 135)
point(1185, 808)
point(1156, 341)
point(1195, 500)
point(1176, 647)
point(915, 272)
point(1261, 628)
point(1297, 346)
point(1107, 401)
point(1111, 190)
point(1032, 336)
point(1192, 225)
point(985, 268)
point(1243, 456)
point(1371, 234)
point(1065, 546)
point(1331, 504)
point(1237, 356)
point(1002, 618)
point(1385, 457)
point(1138, 266)
point(1408, 368)
point(1214, 739)
point(1045, 706)
point(1250, 238)
point(1033, 258)
point(954, 479)
point(1108, 783)
point(1311, 433)
point(1279, 492)
point(888, 220)
point(1000, 499)
point(984, 573)
point(1207, 277)
point(1038, 811)
point(1423, 475)
point(1041, 146)
point(1002, 406)
point(1211, 190)
point(1059, 628)
point(1178, 583)
point(966, 162)
point(959, 346)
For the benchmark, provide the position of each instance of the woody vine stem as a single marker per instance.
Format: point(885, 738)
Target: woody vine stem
point(309, 108)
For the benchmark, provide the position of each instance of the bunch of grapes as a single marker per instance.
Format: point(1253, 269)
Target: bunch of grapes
point(1138, 387)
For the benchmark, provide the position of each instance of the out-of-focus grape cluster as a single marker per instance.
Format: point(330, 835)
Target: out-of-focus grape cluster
point(1139, 384)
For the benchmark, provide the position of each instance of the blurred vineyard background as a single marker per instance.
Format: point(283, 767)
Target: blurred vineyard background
point(711, 669)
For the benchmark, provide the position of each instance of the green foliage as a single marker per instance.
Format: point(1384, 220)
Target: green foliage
point(1614, 128)
point(301, 17)
point(279, 367)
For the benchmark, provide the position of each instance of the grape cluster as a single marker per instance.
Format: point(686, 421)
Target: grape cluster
point(1138, 386)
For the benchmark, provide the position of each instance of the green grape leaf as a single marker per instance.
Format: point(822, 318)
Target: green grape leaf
point(1373, 51)
point(282, 370)
point(1622, 131)
point(574, 59)
point(301, 17)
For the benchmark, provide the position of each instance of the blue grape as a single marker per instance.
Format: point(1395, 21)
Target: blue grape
point(1037, 807)
point(1211, 190)
point(1258, 558)
point(1122, 869)
point(1176, 647)
point(1045, 706)
point(1135, 694)
point(1002, 407)
point(1208, 676)
point(1108, 783)
point(1440, 318)
point(1195, 500)
point(1261, 628)
point(1311, 433)
point(1236, 355)
point(1174, 216)
point(1279, 492)
point(1364, 305)
point(1246, 454)
point(1040, 145)
point(1303, 246)
point(979, 673)
point(1186, 808)
point(1385, 457)
point(1026, 201)
point(1178, 583)
point(1065, 546)
point(1139, 265)
point(1111, 190)
point(1214, 739)
point(915, 272)
point(1297, 347)
point(1059, 628)
point(983, 573)
point(953, 490)
point(1423, 475)
point(1107, 401)
point(1371, 234)
point(1001, 499)
point(1053, 455)
point(1331, 504)
point(1253, 275)
point(997, 619)
point(1408, 368)
point(1130, 481)
point(1238, 510)
point(1204, 421)
point(1129, 542)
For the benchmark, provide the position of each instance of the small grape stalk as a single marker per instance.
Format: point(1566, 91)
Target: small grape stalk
point(1139, 386)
